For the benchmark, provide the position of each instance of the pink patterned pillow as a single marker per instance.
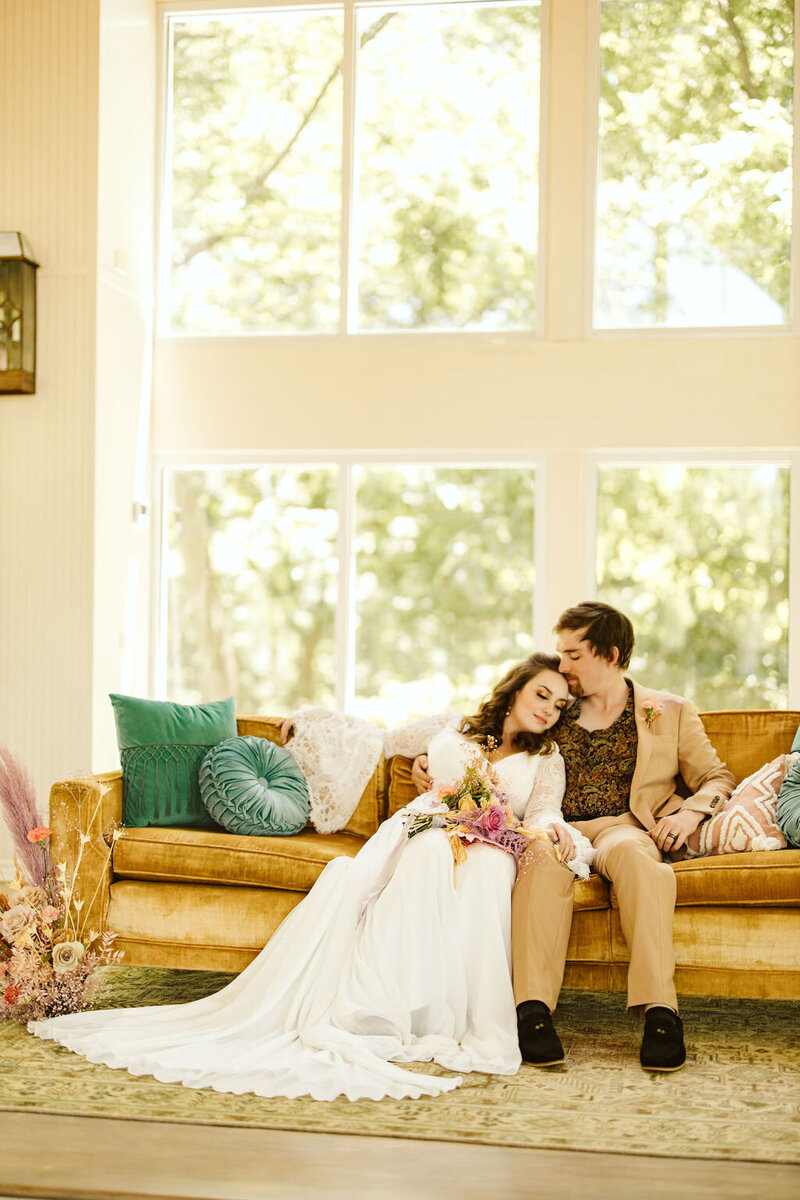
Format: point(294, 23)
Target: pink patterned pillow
point(747, 819)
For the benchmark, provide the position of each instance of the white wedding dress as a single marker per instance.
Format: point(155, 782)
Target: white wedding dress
point(395, 956)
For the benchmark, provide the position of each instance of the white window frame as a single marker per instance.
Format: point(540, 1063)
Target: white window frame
point(346, 462)
point(348, 294)
point(792, 326)
point(738, 457)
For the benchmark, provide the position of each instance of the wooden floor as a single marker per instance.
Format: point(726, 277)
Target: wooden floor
point(76, 1158)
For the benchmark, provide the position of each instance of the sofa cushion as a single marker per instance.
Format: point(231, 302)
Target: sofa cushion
point(198, 926)
point(590, 894)
point(161, 746)
point(251, 786)
point(766, 877)
point(206, 856)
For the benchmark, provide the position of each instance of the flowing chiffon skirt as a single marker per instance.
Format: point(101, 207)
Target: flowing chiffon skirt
point(393, 957)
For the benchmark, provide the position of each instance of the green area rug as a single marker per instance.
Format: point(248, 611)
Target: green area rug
point(737, 1098)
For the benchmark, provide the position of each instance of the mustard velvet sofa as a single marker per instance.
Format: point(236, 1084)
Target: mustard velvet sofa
point(210, 900)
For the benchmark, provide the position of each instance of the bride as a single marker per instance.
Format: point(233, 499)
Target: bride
point(395, 956)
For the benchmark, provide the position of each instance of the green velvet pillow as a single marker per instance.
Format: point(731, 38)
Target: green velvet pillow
point(161, 746)
point(251, 785)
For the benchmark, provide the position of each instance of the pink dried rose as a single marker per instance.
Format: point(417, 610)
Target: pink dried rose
point(39, 834)
point(494, 820)
point(16, 920)
point(49, 914)
point(66, 956)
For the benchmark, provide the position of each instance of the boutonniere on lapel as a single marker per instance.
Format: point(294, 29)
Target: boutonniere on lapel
point(652, 710)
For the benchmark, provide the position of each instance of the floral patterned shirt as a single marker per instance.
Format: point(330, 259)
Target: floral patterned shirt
point(599, 763)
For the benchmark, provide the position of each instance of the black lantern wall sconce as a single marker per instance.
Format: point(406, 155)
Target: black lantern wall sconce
point(17, 315)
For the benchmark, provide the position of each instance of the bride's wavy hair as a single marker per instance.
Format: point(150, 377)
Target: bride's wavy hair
point(486, 725)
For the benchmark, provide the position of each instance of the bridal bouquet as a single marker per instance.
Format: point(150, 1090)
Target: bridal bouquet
point(473, 809)
point(48, 955)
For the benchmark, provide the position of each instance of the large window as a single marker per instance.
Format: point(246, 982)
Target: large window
point(698, 557)
point(394, 591)
point(423, 215)
point(694, 198)
point(249, 587)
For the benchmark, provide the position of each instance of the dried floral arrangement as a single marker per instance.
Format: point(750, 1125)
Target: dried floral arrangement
point(473, 808)
point(48, 954)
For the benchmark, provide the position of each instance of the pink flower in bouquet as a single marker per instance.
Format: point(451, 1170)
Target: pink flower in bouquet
point(49, 914)
point(446, 791)
point(39, 834)
point(493, 820)
point(11, 994)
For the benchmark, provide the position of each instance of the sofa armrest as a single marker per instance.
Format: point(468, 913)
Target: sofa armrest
point(83, 813)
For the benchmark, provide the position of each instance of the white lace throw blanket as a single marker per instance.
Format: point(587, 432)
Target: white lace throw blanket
point(337, 754)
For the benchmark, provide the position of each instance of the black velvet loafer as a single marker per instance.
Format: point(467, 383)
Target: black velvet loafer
point(662, 1041)
point(538, 1041)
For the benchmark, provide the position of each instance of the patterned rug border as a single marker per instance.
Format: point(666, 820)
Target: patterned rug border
point(278, 1126)
point(281, 1127)
point(737, 1100)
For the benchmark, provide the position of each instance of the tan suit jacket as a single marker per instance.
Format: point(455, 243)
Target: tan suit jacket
point(673, 747)
point(674, 744)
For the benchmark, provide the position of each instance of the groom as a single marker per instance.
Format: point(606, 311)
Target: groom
point(624, 748)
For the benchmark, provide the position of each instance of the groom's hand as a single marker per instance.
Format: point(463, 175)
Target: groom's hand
point(670, 833)
point(419, 774)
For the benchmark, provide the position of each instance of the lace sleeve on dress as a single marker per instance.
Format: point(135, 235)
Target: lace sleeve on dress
point(544, 808)
point(414, 738)
point(544, 802)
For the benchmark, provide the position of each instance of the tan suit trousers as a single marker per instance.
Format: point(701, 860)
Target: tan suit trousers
point(541, 914)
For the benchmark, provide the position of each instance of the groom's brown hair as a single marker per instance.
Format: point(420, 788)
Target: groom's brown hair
point(606, 627)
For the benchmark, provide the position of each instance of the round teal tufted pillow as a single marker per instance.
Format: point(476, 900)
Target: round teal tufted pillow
point(251, 785)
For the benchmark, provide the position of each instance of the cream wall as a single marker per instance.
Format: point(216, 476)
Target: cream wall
point(62, 609)
point(49, 58)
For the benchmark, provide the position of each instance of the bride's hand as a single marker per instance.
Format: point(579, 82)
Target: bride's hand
point(561, 836)
point(287, 730)
point(419, 774)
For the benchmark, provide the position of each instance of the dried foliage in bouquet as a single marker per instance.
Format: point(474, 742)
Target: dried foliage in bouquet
point(48, 955)
point(473, 809)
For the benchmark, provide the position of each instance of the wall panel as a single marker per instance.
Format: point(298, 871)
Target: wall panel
point(48, 177)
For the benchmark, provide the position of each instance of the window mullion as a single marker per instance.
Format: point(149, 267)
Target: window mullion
point(347, 269)
point(345, 607)
point(794, 582)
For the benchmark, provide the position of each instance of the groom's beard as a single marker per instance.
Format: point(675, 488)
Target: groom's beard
point(575, 689)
